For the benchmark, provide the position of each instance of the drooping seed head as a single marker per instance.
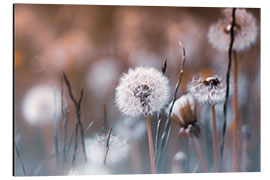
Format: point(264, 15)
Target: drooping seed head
point(184, 114)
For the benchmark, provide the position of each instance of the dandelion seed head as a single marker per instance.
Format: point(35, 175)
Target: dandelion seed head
point(210, 90)
point(245, 31)
point(96, 149)
point(42, 105)
point(142, 91)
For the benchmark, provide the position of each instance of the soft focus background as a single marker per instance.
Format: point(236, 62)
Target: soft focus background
point(94, 45)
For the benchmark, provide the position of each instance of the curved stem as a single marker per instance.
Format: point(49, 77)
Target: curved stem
point(215, 153)
point(166, 132)
point(151, 147)
point(227, 83)
point(198, 148)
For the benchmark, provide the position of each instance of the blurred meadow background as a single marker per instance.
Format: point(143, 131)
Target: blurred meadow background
point(94, 45)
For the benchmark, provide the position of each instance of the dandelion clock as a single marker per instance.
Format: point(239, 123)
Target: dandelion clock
point(142, 92)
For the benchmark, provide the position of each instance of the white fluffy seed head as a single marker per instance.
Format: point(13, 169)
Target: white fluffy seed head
point(142, 91)
point(96, 149)
point(245, 31)
point(42, 105)
point(210, 90)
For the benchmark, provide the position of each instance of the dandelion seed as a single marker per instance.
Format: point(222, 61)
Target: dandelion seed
point(96, 149)
point(245, 31)
point(41, 105)
point(184, 114)
point(142, 91)
point(210, 90)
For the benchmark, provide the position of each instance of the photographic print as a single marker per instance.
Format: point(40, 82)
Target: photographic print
point(106, 89)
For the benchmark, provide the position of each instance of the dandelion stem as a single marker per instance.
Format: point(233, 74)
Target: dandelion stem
point(215, 152)
point(157, 134)
point(236, 118)
point(151, 147)
point(227, 82)
point(198, 148)
point(107, 145)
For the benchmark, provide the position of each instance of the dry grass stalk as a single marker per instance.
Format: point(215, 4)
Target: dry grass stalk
point(78, 124)
point(166, 133)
